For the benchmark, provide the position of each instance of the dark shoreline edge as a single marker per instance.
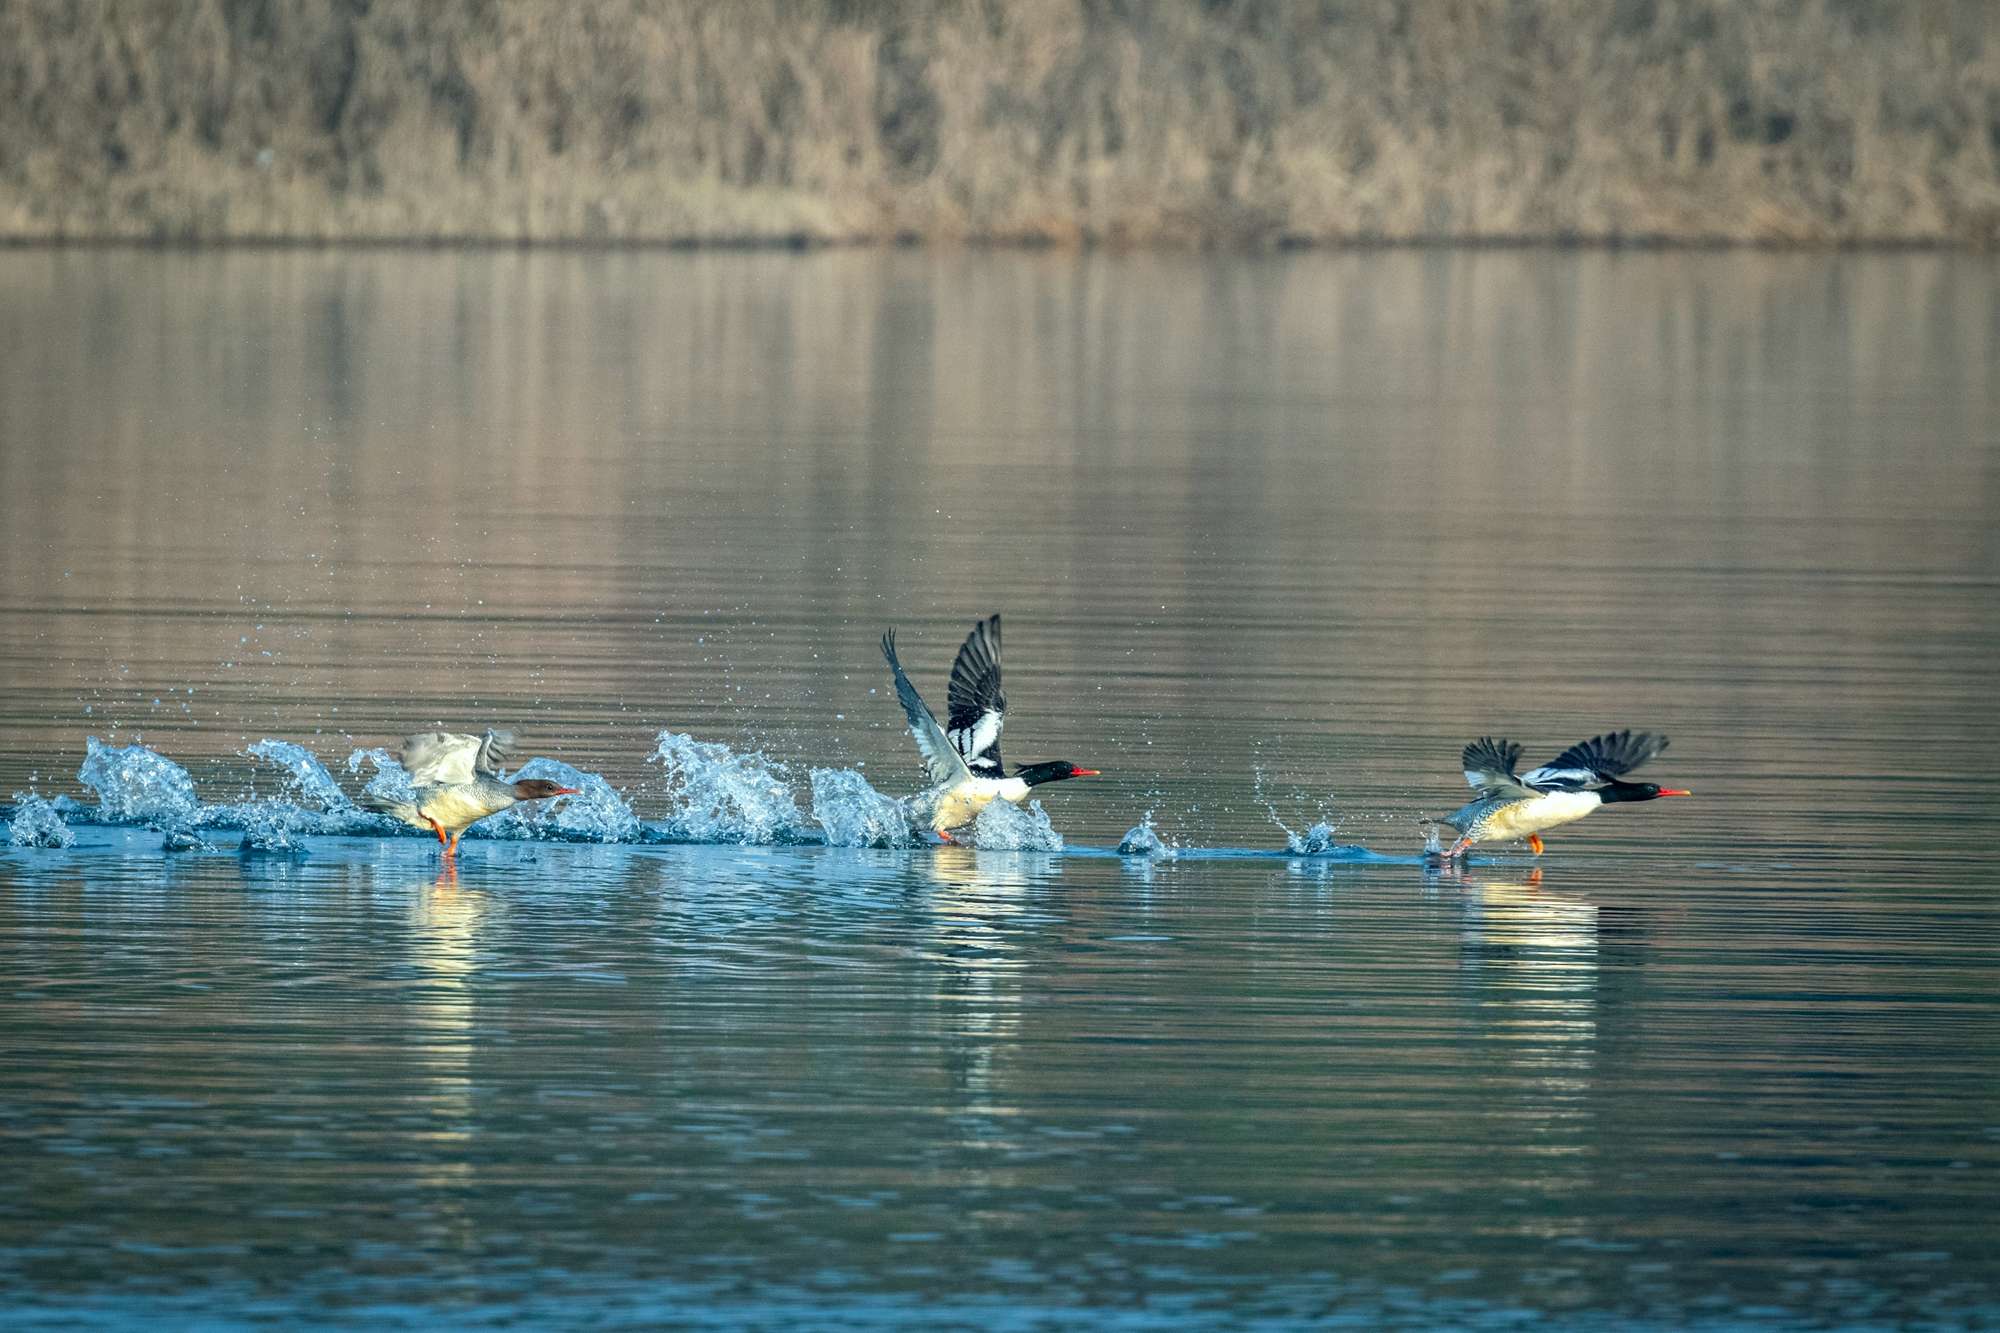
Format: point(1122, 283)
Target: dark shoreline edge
point(799, 244)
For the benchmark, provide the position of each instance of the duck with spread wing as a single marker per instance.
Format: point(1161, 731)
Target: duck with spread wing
point(457, 783)
point(963, 756)
point(1587, 775)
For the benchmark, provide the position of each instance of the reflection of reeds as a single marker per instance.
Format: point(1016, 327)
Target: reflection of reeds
point(1255, 122)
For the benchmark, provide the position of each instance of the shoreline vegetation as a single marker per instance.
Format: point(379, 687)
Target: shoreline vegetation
point(1257, 124)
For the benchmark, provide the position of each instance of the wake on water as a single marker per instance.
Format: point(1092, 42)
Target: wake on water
point(714, 794)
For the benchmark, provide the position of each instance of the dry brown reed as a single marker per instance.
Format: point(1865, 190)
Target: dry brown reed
point(1258, 122)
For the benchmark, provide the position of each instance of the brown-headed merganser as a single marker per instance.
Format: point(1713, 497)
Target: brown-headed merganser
point(457, 781)
point(963, 758)
point(1570, 786)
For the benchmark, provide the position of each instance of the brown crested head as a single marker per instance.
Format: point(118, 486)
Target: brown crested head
point(540, 789)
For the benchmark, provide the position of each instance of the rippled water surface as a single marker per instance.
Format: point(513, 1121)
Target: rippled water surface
point(721, 1044)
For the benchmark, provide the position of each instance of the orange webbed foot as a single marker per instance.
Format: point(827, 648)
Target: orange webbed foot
point(1535, 843)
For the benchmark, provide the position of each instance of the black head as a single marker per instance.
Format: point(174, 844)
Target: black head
point(1636, 791)
point(1053, 771)
point(540, 789)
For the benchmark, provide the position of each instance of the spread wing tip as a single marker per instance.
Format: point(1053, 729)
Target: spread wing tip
point(1489, 758)
point(1612, 754)
point(975, 694)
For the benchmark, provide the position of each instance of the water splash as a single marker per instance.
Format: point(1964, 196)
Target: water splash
point(273, 828)
point(717, 795)
point(309, 780)
point(714, 794)
point(390, 782)
point(138, 785)
point(1145, 840)
point(72, 810)
point(599, 814)
point(277, 826)
point(36, 824)
point(854, 814)
point(1005, 827)
point(1319, 840)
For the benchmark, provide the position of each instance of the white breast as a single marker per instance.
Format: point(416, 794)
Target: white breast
point(1544, 812)
point(961, 804)
point(457, 806)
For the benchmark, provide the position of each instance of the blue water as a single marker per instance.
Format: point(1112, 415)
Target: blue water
point(1201, 1042)
point(752, 1085)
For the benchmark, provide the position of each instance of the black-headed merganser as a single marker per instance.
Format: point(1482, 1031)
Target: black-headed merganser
point(457, 781)
point(963, 758)
point(1570, 786)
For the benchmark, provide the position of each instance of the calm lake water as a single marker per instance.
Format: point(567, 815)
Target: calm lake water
point(1273, 538)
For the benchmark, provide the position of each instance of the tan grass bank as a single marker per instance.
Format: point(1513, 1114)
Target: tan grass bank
point(1067, 121)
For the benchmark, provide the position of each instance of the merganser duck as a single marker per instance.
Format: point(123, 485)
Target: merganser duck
point(457, 781)
point(963, 758)
point(1570, 786)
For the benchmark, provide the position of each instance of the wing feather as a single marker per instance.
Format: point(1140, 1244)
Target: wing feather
point(1596, 761)
point(1554, 777)
point(443, 758)
point(942, 760)
point(494, 752)
point(440, 757)
point(979, 745)
point(978, 707)
point(1489, 764)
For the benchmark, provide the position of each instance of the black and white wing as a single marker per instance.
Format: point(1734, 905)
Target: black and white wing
point(978, 708)
point(941, 758)
point(1489, 765)
point(1594, 762)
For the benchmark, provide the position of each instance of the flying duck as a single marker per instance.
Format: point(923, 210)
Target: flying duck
point(1562, 791)
point(963, 757)
point(457, 781)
